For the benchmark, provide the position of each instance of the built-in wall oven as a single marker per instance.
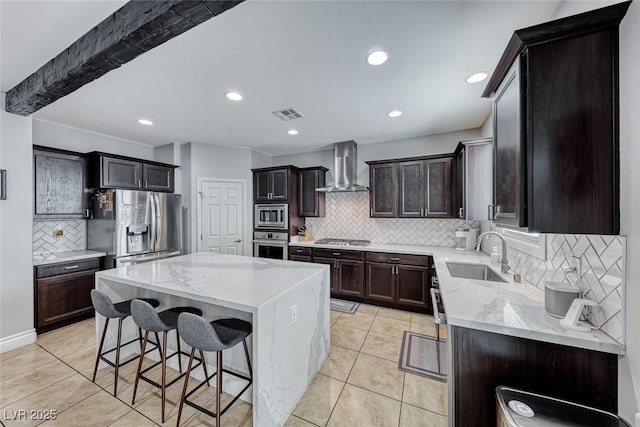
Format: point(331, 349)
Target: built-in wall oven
point(272, 245)
point(272, 216)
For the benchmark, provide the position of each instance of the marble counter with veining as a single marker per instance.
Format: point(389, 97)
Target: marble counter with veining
point(514, 309)
point(287, 351)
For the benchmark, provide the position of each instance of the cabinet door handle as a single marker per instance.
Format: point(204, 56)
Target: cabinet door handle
point(394, 259)
point(139, 183)
point(299, 251)
point(461, 213)
point(71, 267)
point(336, 253)
point(146, 183)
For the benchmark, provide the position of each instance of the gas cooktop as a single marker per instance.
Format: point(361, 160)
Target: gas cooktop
point(342, 242)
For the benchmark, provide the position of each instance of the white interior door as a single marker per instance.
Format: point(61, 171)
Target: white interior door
point(221, 217)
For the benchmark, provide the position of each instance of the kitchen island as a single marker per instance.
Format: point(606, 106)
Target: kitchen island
point(287, 303)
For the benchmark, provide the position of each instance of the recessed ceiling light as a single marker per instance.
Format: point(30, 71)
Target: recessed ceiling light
point(477, 77)
point(377, 57)
point(394, 113)
point(145, 122)
point(292, 132)
point(233, 96)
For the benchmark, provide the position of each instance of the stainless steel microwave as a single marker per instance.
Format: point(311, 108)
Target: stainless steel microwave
point(272, 217)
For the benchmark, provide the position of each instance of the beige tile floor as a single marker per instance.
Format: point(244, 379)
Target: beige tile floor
point(359, 384)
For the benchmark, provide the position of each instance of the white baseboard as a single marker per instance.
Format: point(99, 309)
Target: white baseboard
point(17, 340)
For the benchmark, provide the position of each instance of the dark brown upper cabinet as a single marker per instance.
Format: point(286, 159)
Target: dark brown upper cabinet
point(157, 178)
point(383, 195)
point(556, 117)
point(419, 187)
point(59, 183)
point(312, 202)
point(277, 184)
point(113, 171)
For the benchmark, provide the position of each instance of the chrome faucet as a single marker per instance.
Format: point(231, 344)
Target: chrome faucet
point(504, 264)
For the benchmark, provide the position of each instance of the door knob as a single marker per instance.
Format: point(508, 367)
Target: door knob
point(237, 241)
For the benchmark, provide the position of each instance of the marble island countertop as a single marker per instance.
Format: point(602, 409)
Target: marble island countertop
point(514, 309)
point(55, 257)
point(241, 282)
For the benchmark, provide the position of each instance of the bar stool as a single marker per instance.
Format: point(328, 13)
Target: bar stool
point(148, 319)
point(121, 310)
point(215, 336)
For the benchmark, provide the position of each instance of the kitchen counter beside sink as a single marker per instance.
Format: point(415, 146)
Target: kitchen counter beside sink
point(508, 308)
point(287, 349)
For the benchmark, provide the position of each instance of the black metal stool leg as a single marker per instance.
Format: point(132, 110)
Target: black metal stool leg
point(135, 384)
point(104, 334)
point(218, 386)
point(186, 382)
point(246, 353)
point(204, 366)
point(115, 383)
point(179, 352)
point(164, 371)
point(158, 344)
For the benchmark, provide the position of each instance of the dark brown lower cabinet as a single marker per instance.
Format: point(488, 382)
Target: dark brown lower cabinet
point(61, 299)
point(350, 275)
point(302, 258)
point(483, 361)
point(412, 284)
point(380, 282)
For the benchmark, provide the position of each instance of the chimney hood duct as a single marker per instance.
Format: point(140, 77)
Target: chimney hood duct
point(346, 169)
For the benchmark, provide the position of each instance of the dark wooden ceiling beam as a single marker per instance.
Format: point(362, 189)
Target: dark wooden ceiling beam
point(135, 28)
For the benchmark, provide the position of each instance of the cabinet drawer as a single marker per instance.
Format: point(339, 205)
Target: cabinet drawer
point(68, 267)
point(422, 260)
point(296, 250)
point(338, 253)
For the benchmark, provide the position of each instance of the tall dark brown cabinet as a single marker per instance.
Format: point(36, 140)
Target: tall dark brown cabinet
point(555, 93)
point(312, 202)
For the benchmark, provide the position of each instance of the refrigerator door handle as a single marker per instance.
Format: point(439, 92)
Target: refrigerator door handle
point(156, 197)
point(152, 223)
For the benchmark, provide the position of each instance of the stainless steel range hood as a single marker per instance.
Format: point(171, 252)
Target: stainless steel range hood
point(346, 169)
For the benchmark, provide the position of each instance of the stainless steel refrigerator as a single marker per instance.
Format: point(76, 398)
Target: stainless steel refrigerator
point(134, 226)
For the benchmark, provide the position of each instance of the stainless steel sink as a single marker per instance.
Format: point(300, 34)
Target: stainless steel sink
point(473, 271)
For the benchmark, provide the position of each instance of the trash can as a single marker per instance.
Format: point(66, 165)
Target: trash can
point(518, 408)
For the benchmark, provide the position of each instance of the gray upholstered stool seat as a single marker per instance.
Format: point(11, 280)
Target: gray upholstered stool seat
point(120, 310)
point(215, 336)
point(145, 317)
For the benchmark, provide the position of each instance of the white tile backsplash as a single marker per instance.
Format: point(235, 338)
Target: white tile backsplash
point(603, 263)
point(347, 217)
point(74, 238)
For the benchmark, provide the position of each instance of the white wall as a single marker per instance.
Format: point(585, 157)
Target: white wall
point(629, 366)
point(16, 271)
point(83, 141)
point(629, 376)
point(214, 161)
point(410, 147)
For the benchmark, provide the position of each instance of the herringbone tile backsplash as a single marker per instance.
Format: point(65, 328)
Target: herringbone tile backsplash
point(603, 272)
point(347, 217)
point(74, 238)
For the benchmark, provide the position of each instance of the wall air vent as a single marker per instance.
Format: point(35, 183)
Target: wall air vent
point(288, 114)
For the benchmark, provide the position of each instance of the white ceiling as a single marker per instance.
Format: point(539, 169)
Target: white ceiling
point(308, 54)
